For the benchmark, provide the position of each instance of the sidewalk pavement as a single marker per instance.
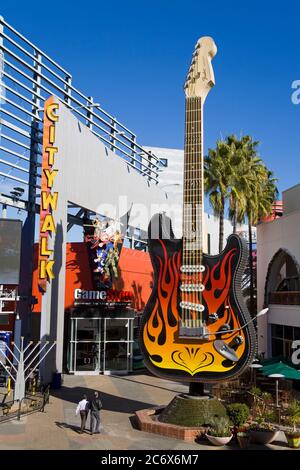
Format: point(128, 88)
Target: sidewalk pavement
point(58, 427)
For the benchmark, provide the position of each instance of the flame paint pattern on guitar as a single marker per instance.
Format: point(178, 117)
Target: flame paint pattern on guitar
point(165, 353)
point(195, 326)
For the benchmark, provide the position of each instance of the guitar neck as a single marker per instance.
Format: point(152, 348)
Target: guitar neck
point(193, 183)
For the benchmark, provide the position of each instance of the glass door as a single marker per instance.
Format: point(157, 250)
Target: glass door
point(87, 357)
point(117, 345)
point(86, 347)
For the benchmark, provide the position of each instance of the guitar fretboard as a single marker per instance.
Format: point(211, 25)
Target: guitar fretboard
point(193, 184)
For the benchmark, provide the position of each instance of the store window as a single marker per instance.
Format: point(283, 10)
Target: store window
point(100, 345)
point(116, 356)
point(282, 339)
point(116, 329)
point(88, 329)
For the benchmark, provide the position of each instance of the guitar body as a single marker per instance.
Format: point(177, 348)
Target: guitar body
point(168, 355)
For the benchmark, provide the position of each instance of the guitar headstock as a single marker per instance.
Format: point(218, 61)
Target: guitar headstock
point(200, 78)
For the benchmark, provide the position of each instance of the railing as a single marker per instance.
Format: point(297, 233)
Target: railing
point(29, 404)
point(285, 298)
point(27, 77)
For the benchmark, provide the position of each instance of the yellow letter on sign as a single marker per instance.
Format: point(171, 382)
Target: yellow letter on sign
point(51, 151)
point(45, 251)
point(48, 224)
point(49, 199)
point(46, 269)
point(50, 175)
point(50, 112)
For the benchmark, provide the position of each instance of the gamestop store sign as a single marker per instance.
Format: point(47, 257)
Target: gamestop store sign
point(107, 298)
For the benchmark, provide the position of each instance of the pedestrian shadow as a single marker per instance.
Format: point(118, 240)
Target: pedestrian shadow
point(109, 402)
point(63, 425)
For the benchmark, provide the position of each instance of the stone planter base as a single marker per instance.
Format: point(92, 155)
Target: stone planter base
point(148, 424)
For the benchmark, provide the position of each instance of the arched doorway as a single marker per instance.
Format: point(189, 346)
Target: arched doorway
point(283, 274)
point(282, 288)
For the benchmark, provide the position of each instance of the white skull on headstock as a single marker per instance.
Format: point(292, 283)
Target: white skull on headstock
point(200, 78)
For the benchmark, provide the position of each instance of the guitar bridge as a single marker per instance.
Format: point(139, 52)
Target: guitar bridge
point(193, 332)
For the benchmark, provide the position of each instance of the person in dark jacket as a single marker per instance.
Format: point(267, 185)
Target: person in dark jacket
point(95, 407)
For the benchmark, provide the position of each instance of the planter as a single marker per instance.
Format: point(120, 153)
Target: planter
point(263, 437)
point(243, 441)
point(293, 440)
point(218, 441)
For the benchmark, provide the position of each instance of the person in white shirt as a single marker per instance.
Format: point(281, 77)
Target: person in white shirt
point(83, 409)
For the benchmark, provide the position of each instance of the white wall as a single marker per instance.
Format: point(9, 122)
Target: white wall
point(93, 177)
point(283, 232)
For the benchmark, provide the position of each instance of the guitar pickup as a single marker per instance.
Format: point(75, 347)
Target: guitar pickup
point(193, 332)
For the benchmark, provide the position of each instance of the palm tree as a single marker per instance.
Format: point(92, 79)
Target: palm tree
point(218, 170)
point(262, 195)
point(245, 156)
point(233, 171)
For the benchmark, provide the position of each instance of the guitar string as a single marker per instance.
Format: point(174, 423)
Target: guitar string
point(193, 231)
point(191, 204)
point(183, 312)
point(195, 195)
point(195, 176)
point(201, 197)
point(193, 200)
point(196, 188)
point(189, 200)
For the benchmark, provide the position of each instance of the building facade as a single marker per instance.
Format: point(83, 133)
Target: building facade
point(100, 323)
point(278, 278)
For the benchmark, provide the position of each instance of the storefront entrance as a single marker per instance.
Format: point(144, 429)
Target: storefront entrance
point(100, 345)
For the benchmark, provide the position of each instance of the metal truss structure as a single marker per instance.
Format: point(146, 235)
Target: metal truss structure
point(27, 77)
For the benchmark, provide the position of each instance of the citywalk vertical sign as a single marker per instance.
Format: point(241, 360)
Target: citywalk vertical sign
point(49, 197)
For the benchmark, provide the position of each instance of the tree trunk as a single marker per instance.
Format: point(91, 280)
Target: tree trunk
point(221, 226)
point(252, 306)
point(234, 217)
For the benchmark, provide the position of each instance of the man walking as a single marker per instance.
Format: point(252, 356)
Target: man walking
point(83, 409)
point(96, 406)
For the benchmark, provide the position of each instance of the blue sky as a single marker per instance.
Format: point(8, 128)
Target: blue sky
point(132, 56)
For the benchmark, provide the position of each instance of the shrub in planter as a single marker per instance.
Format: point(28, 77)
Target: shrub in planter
point(219, 433)
point(263, 433)
point(243, 438)
point(238, 414)
point(293, 438)
point(293, 411)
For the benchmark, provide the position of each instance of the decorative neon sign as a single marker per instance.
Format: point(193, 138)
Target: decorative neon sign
point(48, 197)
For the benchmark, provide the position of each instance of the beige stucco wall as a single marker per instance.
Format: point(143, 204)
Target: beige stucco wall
point(271, 236)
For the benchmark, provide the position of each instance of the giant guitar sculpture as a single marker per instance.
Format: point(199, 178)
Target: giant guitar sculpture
point(195, 326)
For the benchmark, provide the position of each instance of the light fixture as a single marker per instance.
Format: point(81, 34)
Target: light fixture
point(255, 366)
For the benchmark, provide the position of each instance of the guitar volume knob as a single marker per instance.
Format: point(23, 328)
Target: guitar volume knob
point(213, 317)
point(225, 327)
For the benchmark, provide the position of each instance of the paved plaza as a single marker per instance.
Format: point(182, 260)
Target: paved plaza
point(58, 426)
